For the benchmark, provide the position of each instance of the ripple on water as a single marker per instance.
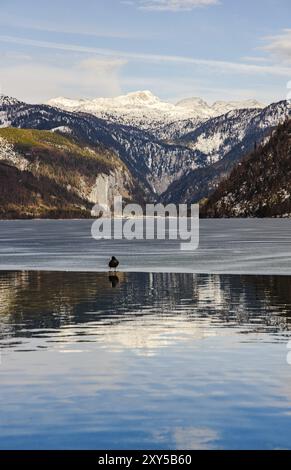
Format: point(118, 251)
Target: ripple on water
point(154, 361)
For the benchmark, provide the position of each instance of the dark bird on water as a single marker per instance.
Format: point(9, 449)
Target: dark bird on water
point(113, 263)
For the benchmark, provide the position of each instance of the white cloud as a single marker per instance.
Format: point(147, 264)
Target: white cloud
point(172, 5)
point(279, 45)
point(40, 82)
point(218, 65)
point(101, 66)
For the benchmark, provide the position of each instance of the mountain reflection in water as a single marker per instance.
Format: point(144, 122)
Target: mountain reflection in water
point(92, 360)
point(42, 300)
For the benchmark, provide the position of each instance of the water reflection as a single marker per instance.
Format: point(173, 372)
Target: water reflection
point(34, 301)
point(114, 280)
point(153, 361)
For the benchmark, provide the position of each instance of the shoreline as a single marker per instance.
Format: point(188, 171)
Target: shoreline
point(143, 271)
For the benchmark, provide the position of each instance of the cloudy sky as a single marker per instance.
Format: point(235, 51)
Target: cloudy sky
point(215, 49)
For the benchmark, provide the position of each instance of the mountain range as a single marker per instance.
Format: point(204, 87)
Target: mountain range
point(172, 152)
point(146, 111)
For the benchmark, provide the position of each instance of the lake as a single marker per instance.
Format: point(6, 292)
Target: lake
point(233, 246)
point(180, 350)
point(144, 361)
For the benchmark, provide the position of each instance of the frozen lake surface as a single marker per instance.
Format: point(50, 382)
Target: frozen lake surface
point(237, 246)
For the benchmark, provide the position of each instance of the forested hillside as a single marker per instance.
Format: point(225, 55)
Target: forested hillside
point(259, 186)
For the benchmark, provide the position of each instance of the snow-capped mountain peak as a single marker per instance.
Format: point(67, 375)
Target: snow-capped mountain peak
point(219, 107)
point(66, 103)
point(192, 102)
point(138, 97)
point(172, 146)
point(8, 101)
point(5, 103)
point(222, 107)
point(145, 110)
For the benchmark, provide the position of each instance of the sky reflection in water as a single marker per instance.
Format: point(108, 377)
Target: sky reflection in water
point(156, 361)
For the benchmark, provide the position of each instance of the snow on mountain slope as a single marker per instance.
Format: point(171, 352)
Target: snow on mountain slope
point(43, 174)
point(261, 185)
point(170, 151)
point(216, 137)
point(219, 135)
point(145, 110)
point(153, 163)
point(222, 142)
point(8, 154)
point(141, 109)
point(8, 100)
point(223, 107)
point(5, 103)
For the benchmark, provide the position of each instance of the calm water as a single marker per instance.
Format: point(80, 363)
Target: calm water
point(146, 361)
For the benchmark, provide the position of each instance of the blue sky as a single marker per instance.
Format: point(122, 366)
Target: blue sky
point(215, 49)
